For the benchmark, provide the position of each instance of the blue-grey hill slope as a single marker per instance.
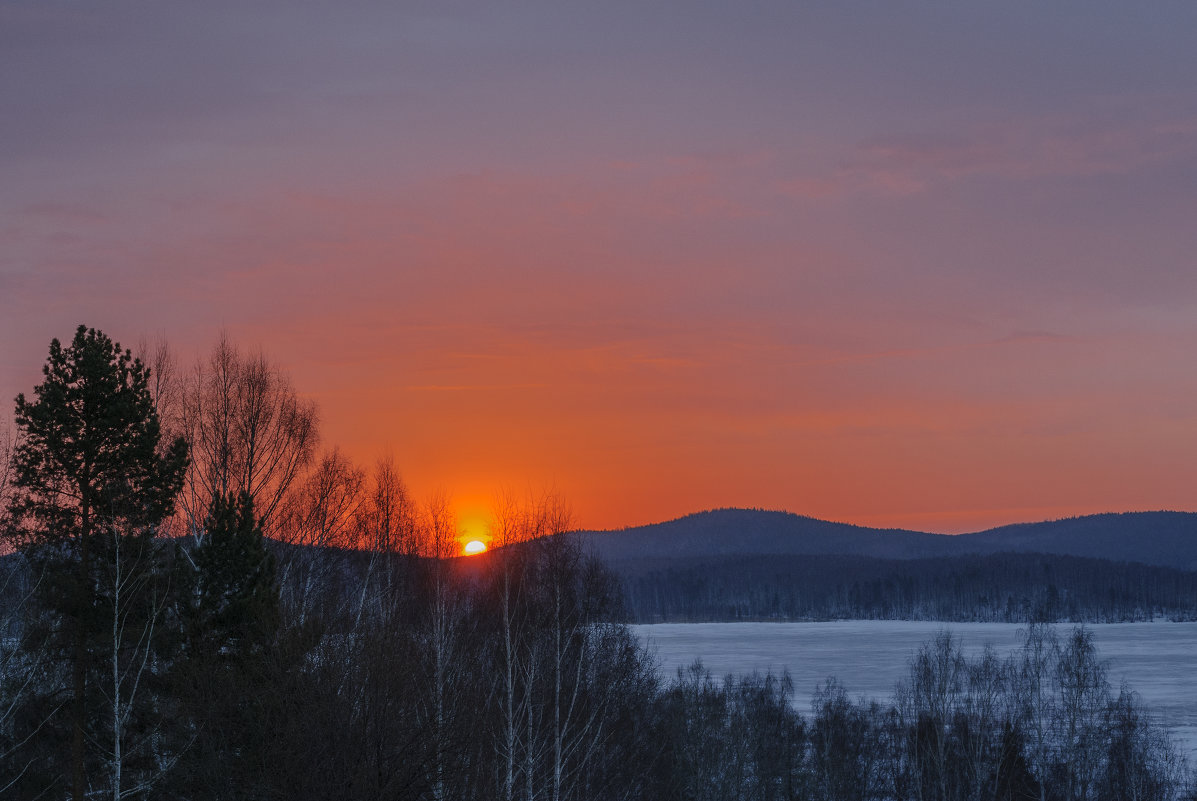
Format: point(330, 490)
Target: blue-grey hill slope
point(1167, 539)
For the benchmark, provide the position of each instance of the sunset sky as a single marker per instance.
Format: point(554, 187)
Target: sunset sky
point(929, 265)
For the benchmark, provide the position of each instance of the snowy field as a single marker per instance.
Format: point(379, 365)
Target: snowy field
point(1158, 660)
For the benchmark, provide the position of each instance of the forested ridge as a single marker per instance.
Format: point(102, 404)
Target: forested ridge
point(1007, 587)
point(199, 603)
point(1164, 539)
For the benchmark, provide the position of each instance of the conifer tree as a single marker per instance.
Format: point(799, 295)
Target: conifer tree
point(90, 465)
point(236, 601)
point(225, 680)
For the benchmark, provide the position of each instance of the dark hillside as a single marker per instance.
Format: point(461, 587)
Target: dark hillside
point(1153, 538)
point(1006, 587)
point(1167, 539)
point(744, 531)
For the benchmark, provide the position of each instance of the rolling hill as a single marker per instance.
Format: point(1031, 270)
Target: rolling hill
point(1166, 539)
point(734, 564)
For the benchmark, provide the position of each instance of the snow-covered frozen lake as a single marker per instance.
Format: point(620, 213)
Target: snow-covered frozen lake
point(1157, 660)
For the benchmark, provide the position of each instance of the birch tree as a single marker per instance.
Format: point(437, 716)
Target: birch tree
point(516, 524)
point(134, 600)
point(248, 430)
point(443, 645)
point(321, 513)
point(7, 447)
point(23, 667)
point(1083, 693)
point(386, 529)
point(1034, 698)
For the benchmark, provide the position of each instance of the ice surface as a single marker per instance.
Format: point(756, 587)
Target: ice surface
point(868, 657)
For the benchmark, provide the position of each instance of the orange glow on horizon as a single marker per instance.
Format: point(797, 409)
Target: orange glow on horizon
point(648, 299)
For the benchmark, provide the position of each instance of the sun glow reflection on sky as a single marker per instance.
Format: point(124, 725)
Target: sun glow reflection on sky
point(923, 267)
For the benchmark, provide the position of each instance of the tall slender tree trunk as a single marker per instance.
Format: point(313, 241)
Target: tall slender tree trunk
point(557, 696)
point(439, 786)
point(509, 690)
point(530, 736)
point(116, 675)
point(439, 643)
point(79, 668)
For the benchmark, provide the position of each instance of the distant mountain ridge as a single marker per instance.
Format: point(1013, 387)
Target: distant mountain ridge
point(1167, 539)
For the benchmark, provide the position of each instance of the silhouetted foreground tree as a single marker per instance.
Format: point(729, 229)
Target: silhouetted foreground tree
point(92, 481)
point(229, 615)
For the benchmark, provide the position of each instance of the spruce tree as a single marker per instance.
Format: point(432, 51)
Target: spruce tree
point(226, 680)
point(93, 480)
point(236, 602)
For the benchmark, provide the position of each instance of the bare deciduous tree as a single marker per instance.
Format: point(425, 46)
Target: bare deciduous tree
point(324, 510)
point(386, 528)
point(134, 606)
point(515, 524)
point(929, 700)
point(7, 446)
point(23, 664)
point(320, 513)
point(248, 430)
point(1082, 692)
point(387, 517)
point(443, 641)
point(165, 382)
point(1033, 695)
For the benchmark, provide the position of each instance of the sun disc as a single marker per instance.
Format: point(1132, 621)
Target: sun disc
point(475, 546)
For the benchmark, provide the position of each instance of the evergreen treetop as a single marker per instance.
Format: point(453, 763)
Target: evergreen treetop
point(236, 599)
point(90, 447)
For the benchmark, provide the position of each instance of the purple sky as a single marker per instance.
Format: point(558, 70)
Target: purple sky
point(929, 265)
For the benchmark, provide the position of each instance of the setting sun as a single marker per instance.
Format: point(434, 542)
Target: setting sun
point(474, 546)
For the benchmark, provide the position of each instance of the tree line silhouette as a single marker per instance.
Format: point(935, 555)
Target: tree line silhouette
point(1003, 587)
point(197, 604)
